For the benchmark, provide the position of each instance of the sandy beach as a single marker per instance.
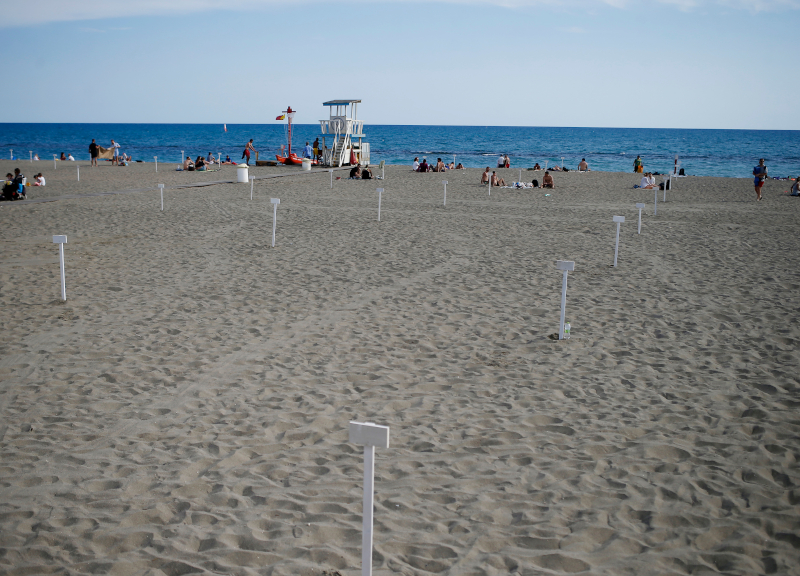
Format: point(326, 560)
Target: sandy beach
point(185, 411)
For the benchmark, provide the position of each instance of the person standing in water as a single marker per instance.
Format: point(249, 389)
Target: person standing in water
point(760, 173)
point(637, 164)
point(247, 149)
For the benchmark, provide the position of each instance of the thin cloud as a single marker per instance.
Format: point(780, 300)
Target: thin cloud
point(35, 12)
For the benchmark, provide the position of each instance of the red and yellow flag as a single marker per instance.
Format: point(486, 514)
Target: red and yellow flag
point(281, 117)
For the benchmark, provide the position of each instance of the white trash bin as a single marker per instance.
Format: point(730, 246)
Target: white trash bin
point(241, 173)
point(307, 164)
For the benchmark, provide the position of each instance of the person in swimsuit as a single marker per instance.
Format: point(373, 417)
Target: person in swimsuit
point(247, 149)
point(583, 166)
point(760, 173)
point(497, 181)
point(547, 181)
point(486, 177)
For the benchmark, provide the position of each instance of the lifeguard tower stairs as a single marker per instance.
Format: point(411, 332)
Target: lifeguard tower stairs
point(343, 135)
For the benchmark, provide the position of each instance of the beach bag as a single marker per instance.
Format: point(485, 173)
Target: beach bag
point(535, 183)
point(681, 172)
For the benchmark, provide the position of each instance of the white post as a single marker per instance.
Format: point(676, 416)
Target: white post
point(31, 154)
point(182, 157)
point(156, 158)
point(490, 184)
point(545, 165)
point(331, 171)
point(368, 435)
point(520, 175)
point(380, 194)
point(219, 159)
point(252, 179)
point(383, 172)
point(655, 204)
point(161, 187)
point(275, 202)
point(445, 192)
point(61, 240)
point(562, 162)
point(12, 154)
point(79, 173)
point(54, 162)
point(640, 206)
point(619, 220)
point(454, 160)
point(565, 266)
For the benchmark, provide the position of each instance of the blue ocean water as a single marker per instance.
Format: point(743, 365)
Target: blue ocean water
point(702, 152)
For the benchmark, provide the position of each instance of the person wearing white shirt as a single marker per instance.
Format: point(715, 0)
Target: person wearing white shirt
point(71, 158)
point(415, 166)
point(115, 148)
point(648, 182)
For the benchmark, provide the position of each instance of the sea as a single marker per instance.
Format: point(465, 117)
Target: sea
point(731, 153)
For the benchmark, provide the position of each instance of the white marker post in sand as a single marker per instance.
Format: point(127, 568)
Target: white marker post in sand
point(619, 220)
point(275, 202)
point(61, 240)
point(12, 154)
point(79, 173)
point(252, 180)
point(31, 154)
point(54, 162)
point(156, 159)
point(182, 157)
point(640, 206)
point(655, 204)
point(562, 162)
point(380, 194)
point(566, 266)
point(490, 184)
point(161, 188)
point(445, 192)
point(369, 436)
point(331, 171)
point(219, 159)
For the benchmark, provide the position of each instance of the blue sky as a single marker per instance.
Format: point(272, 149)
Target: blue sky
point(619, 63)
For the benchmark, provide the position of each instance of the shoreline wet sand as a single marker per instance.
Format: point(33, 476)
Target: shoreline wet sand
point(185, 411)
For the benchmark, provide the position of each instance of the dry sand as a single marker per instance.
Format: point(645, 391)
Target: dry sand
point(186, 410)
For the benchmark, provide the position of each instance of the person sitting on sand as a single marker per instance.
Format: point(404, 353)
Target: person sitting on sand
point(415, 165)
point(646, 183)
point(35, 157)
point(210, 159)
point(63, 157)
point(547, 181)
point(555, 168)
point(188, 165)
point(485, 176)
point(795, 191)
point(583, 166)
point(460, 166)
point(366, 174)
point(71, 158)
point(355, 172)
point(39, 180)
point(424, 167)
point(534, 183)
point(200, 164)
point(439, 166)
point(9, 190)
point(228, 160)
point(537, 167)
point(497, 181)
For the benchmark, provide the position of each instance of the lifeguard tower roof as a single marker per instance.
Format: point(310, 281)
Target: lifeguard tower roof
point(340, 102)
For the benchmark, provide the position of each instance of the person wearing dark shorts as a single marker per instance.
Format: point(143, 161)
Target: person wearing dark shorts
point(760, 176)
point(93, 150)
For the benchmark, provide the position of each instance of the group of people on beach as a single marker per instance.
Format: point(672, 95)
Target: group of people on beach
point(440, 166)
point(14, 187)
point(359, 173)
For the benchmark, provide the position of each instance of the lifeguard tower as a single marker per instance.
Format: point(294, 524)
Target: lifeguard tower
point(343, 136)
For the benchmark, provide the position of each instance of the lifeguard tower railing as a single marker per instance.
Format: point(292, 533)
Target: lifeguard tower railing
point(346, 134)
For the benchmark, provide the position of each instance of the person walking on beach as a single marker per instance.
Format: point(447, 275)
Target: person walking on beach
point(638, 165)
point(94, 152)
point(307, 151)
point(246, 153)
point(760, 173)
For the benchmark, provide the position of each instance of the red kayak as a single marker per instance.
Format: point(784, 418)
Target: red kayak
point(292, 159)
